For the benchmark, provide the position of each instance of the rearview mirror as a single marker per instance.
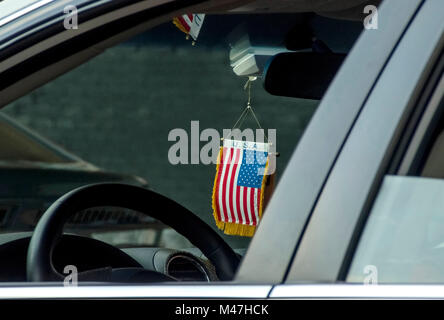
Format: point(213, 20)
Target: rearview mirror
point(305, 75)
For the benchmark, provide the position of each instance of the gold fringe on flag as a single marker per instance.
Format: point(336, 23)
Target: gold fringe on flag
point(237, 229)
point(178, 24)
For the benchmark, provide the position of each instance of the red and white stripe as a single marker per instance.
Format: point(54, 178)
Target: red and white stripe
point(235, 204)
point(186, 21)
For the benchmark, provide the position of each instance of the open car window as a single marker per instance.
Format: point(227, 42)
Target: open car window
point(122, 112)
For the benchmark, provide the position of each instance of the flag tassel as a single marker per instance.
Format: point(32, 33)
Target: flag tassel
point(219, 223)
point(239, 229)
point(180, 26)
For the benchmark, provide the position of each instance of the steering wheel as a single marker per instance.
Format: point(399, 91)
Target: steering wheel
point(39, 266)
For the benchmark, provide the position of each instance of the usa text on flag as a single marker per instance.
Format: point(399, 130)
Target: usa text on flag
point(238, 192)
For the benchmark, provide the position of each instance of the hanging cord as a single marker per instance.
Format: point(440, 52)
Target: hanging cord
point(248, 109)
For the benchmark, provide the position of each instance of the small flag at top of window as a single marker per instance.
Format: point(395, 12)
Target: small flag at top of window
point(190, 24)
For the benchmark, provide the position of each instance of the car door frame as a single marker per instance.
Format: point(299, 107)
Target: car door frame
point(331, 237)
point(313, 162)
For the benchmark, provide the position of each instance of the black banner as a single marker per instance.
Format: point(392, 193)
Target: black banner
point(219, 309)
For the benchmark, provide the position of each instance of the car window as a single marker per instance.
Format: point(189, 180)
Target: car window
point(118, 110)
point(403, 239)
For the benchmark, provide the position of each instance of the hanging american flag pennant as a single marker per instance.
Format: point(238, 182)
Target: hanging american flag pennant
point(238, 192)
point(190, 24)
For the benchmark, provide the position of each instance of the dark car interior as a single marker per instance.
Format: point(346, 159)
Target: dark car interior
point(312, 48)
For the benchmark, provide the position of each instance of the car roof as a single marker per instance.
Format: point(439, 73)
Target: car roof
point(12, 9)
point(344, 9)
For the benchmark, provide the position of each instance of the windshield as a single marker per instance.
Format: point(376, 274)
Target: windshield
point(145, 107)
